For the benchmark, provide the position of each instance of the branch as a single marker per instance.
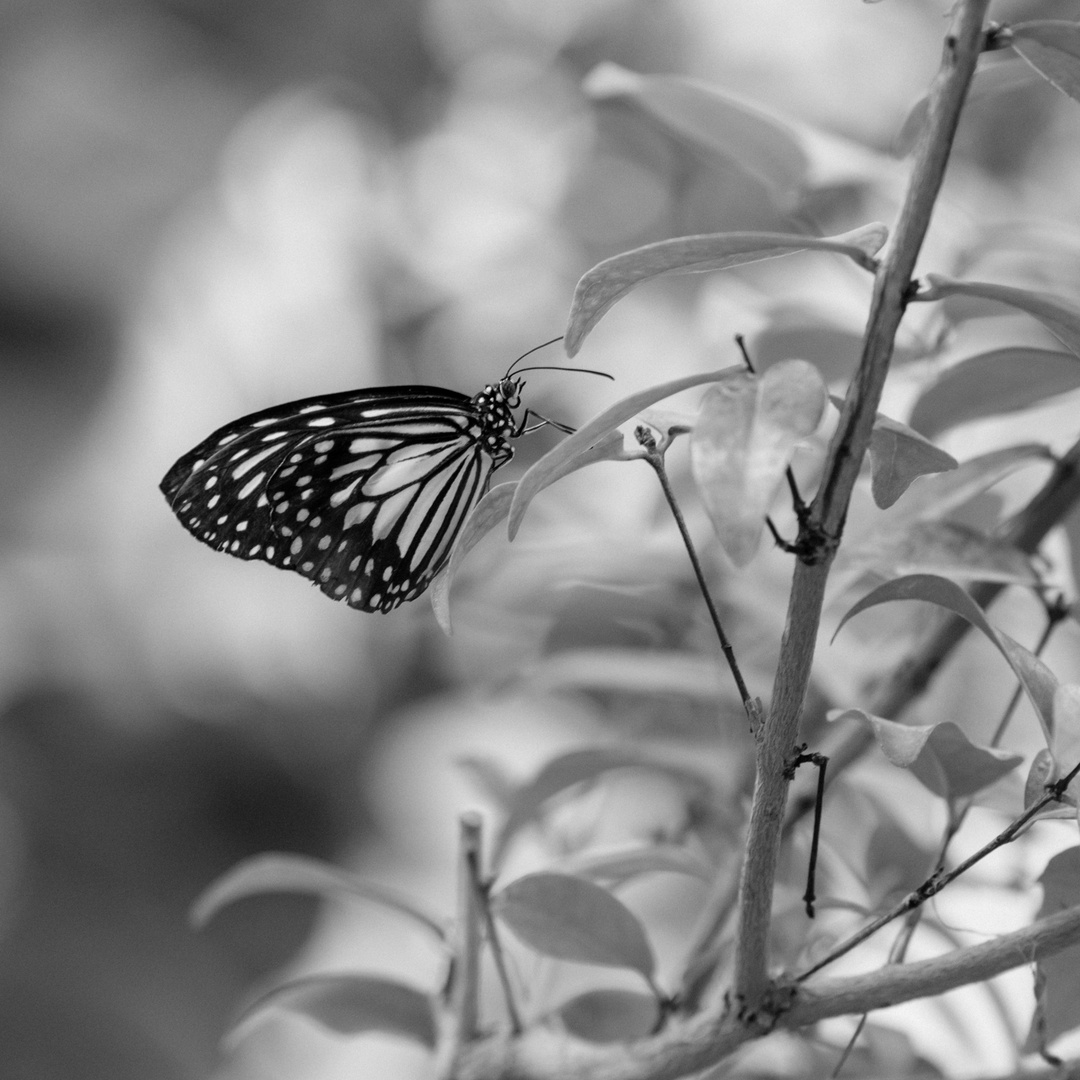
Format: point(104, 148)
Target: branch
point(689, 1047)
point(829, 508)
point(892, 985)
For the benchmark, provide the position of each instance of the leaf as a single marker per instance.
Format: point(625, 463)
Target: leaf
point(557, 460)
point(988, 81)
point(1066, 744)
point(617, 867)
point(897, 456)
point(1060, 317)
point(578, 767)
point(569, 918)
point(939, 494)
point(349, 1005)
point(631, 671)
point(609, 281)
point(744, 439)
point(605, 1016)
point(1052, 48)
point(494, 508)
point(758, 142)
point(274, 872)
point(1036, 678)
point(993, 384)
point(942, 547)
point(940, 756)
point(1058, 978)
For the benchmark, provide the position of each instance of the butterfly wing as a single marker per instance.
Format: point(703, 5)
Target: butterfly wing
point(362, 493)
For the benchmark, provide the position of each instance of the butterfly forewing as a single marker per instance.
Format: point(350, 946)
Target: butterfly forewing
point(363, 493)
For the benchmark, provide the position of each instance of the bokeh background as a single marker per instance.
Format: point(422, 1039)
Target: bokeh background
point(207, 208)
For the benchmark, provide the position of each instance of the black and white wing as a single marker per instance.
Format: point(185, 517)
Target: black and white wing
point(363, 493)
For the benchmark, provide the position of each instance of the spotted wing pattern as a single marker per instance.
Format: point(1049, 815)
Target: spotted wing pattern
point(363, 493)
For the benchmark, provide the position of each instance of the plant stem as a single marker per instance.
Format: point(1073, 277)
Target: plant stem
point(466, 994)
point(828, 510)
point(654, 455)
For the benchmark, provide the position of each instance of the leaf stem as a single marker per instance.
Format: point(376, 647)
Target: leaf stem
point(654, 455)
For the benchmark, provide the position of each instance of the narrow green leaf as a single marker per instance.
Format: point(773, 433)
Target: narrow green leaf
point(569, 918)
point(609, 281)
point(349, 1005)
point(993, 384)
point(556, 462)
point(1052, 48)
point(1059, 316)
point(898, 456)
point(940, 756)
point(745, 437)
point(1036, 678)
point(605, 1016)
point(275, 872)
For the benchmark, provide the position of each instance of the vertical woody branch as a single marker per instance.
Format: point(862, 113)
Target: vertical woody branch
point(828, 511)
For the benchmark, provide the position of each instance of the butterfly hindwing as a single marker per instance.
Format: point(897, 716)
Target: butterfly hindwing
point(363, 493)
point(369, 512)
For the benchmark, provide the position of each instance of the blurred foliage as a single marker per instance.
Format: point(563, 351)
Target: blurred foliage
point(209, 208)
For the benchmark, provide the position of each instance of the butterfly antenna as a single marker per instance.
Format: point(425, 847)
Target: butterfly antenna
point(551, 367)
point(536, 348)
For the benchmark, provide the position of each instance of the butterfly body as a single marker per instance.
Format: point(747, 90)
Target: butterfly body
point(362, 492)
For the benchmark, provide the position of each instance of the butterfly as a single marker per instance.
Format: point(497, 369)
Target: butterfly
point(362, 492)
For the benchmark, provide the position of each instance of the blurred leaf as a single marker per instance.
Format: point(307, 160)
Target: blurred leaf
point(490, 777)
point(1042, 772)
point(895, 861)
point(992, 384)
point(942, 547)
point(494, 508)
point(941, 493)
point(557, 462)
point(897, 456)
point(569, 918)
point(609, 281)
point(1071, 525)
point(756, 141)
point(669, 422)
point(582, 766)
point(631, 671)
point(349, 1005)
point(605, 1016)
point(1037, 679)
point(989, 81)
point(275, 872)
point(1066, 744)
point(1058, 976)
point(744, 439)
point(940, 756)
point(617, 867)
point(1052, 48)
point(1059, 316)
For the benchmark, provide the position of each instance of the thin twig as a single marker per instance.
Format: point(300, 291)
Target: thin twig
point(654, 455)
point(938, 880)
